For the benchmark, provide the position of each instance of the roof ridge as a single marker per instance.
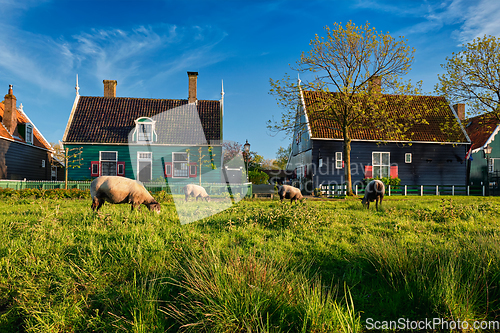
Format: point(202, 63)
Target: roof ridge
point(402, 95)
point(151, 99)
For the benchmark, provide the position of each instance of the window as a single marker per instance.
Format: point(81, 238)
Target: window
point(408, 158)
point(29, 133)
point(145, 130)
point(338, 160)
point(53, 172)
point(491, 165)
point(381, 163)
point(43, 163)
point(180, 165)
point(108, 161)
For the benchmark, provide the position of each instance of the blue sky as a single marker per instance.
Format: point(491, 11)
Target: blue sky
point(148, 46)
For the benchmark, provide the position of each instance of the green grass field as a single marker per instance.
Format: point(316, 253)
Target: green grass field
point(320, 266)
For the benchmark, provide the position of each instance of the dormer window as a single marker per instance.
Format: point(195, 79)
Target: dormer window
point(145, 130)
point(25, 130)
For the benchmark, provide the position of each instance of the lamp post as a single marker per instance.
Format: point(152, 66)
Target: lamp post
point(487, 152)
point(246, 148)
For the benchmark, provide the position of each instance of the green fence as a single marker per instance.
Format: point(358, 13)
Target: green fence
point(211, 188)
point(334, 190)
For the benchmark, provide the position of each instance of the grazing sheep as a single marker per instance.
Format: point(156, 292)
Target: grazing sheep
point(289, 192)
point(195, 191)
point(373, 192)
point(117, 190)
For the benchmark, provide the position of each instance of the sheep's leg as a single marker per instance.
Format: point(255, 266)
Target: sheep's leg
point(101, 202)
point(186, 197)
point(376, 203)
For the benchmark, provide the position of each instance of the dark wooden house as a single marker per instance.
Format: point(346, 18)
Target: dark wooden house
point(434, 156)
point(146, 139)
point(484, 161)
point(24, 152)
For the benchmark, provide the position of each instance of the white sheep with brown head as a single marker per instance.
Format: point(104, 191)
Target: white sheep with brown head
point(118, 190)
point(195, 191)
point(290, 192)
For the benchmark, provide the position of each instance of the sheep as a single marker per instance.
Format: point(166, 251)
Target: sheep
point(289, 192)
point(117, 190)
point(195, 191)
point(373, 192)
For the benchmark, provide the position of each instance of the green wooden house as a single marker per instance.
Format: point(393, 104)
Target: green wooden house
point(484, 156)
point(146, 139)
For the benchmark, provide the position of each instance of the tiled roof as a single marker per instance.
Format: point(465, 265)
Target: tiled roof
point(480, 129)
point(110, 120)
point(38, 139)
point(442, 124)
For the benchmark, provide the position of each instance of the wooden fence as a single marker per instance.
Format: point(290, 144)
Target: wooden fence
point(335, 190)
point(211, 188)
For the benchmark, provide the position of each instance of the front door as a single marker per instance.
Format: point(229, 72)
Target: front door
point(145, 166)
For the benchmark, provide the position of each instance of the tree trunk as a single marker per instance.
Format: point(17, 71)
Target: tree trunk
point(66, 168)
point(347, 160)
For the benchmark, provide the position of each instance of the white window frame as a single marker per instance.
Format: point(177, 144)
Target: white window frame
point(491, 165)
point(408, 158)
point(105, 161)
point(53, 172)
point(184, 165)
point(141, 123)
point(29, 133)
point(338, 160)
point(381, 165)
point(144, 156)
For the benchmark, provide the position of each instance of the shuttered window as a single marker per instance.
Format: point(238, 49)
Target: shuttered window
point(381, 163)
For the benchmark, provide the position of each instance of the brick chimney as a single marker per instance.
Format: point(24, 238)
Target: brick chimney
point(10, 114)
point(193, 76)
point(460, 110)
point(109, 88)
point(375, 84)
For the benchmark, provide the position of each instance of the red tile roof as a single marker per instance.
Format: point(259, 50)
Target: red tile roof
point(480, 128)
point(439, 117)
point(110, 120)
point(22, 118)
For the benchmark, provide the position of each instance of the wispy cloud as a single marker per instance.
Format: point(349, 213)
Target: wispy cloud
point(115, 53)
point(480, 18)
point(468, 19)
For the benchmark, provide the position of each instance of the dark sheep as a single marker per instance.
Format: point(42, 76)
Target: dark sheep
point(374, 191)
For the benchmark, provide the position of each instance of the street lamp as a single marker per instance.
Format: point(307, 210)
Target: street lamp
point(246, 147)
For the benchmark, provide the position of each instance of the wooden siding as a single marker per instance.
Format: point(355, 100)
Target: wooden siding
point(21, 161)
point(479, 166)
point(128, 154)
point(432, 163)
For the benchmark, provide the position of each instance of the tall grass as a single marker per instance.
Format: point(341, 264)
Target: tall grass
point(251, 293)
point(259, 266)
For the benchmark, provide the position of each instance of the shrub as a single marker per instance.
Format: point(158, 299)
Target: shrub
point(393, 181)
point(45, 194)
point(258, 177)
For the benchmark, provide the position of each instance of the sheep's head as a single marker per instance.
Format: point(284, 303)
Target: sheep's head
point(208, 198)
point(154, 206)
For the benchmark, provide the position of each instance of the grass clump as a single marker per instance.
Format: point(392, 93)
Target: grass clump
point(251, 293)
